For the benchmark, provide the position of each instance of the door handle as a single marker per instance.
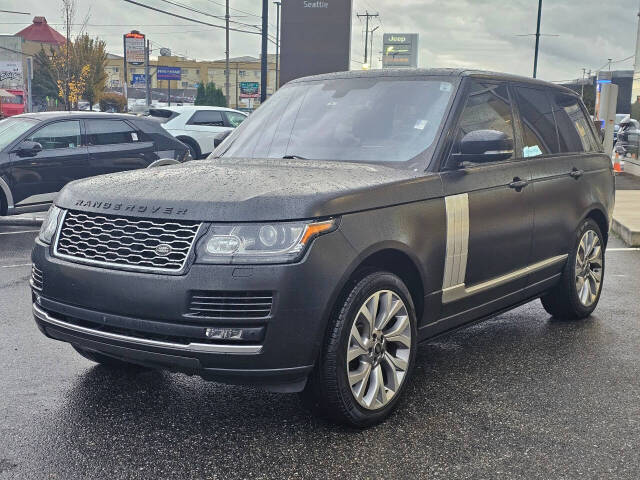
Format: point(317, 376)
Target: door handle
point(575, 173)
point(518, 184)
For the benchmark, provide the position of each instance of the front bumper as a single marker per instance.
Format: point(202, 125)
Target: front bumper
point(143, 317)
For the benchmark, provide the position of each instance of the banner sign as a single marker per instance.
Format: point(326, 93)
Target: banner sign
point(169, 73)
point(400, 50)
point(138, 79)
point(11, 71)
point(134, 48)
point(249, 90)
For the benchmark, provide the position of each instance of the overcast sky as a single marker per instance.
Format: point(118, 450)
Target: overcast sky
point(453, 33)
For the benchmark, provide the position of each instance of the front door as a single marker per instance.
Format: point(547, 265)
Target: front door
point(489, 209)
point(39, 177)
point(115, 146)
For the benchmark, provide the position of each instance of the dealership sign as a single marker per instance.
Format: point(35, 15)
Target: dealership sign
point(316, 37)
point(400, 50)
point(169, 73)
point(134, 48)
point(249, 90)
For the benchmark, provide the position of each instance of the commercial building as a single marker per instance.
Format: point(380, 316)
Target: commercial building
point(243, 71)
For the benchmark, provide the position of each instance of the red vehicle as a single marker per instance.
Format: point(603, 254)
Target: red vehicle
point(12, 105)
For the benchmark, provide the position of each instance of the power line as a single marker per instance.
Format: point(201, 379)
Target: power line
point(17, 13)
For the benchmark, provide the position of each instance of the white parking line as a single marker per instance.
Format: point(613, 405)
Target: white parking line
point(628, 249)
point(20, 231)
point(16, 265)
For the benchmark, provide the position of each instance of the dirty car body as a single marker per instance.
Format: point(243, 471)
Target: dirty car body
point(352, 175)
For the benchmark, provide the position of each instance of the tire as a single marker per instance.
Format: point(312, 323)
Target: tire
point(107, 361)
point(329, 391)
point(567, 300)
point(3, 205)
point(194, 148)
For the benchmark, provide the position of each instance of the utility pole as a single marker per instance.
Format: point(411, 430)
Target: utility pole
point(584, 71)
point(535, 58)
point(124, 68)
point(371, 49)
point(367, 15)
point(147, 77)
point(263, 62)
point(226, 72)
point(609, 59)
point(277, 4)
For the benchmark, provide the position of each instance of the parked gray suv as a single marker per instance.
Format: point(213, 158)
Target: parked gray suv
point(351, 217)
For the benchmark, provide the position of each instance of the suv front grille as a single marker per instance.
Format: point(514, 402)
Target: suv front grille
point(221, 304)
point(130, 243)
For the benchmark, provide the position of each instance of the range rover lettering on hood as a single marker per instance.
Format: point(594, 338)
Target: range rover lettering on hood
point(124, 207)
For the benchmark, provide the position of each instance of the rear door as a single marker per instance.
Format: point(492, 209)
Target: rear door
point(563, 153)
point(489, 211)
point(38, 178)
point(115, 146)
point(204, 125)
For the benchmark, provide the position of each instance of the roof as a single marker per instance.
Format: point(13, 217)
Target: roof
point(193, 108)
point(431, 72)
point(39, 31)
point(62, 115)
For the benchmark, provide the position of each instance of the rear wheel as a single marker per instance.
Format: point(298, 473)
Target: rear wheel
point(194, 148)
point(578, 292)
point(368, 353)
point(107, 361)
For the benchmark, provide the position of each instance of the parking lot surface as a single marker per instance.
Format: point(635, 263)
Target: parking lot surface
point(518, 396)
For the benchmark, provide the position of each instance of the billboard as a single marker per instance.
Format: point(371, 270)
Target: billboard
point(11, 72)
point(249, 90)
point(315, 37)
point(400, 50)
point(138, 80)
point(134, 48)
point(169, 73)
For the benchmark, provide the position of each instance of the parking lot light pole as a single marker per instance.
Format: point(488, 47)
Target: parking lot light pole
point(263, 63)
point(535, 58)
point(277, 4)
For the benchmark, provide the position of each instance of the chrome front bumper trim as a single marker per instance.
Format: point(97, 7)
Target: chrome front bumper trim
point(191, 347)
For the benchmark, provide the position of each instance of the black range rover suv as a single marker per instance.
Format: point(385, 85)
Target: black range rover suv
point(350, 218)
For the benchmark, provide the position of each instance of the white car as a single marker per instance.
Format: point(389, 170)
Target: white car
point(197, 126)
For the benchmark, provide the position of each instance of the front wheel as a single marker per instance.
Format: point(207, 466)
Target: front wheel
point(368, 353)
point(578, 292)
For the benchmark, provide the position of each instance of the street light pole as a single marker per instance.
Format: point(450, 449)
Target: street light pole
point(535, 59)
point(226, 74)
point(263, 63)
point(277, 4)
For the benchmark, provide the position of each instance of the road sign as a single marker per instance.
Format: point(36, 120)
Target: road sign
point(138, 79)
point(134, 47)
point(400, 50)
point(249, 90)
point(169, 73)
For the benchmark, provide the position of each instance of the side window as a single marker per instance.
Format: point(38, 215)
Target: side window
point(109, 132)
point(573, 128)
point(58, 135)
point(488, 107)
point(538, 126)
point(235, 119)
point(212, 118)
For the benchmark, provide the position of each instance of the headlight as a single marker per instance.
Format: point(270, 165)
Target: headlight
point(50, 224)
point(282, 242)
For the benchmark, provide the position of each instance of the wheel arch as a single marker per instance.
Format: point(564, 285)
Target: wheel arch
point(191, 141)
point(6, 196)
point(597, 215)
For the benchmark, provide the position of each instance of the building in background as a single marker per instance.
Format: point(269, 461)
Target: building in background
point(40, 35)
point(193, 72)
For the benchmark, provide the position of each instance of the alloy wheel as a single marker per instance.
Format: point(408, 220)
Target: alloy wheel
point(588, 268)
point(379, 349)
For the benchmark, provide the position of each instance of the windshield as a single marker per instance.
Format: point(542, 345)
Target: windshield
point(379, 119)
point(12, 128)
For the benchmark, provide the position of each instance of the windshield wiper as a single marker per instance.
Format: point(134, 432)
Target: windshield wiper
point(294, 157)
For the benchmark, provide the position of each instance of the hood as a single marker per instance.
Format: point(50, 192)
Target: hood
point(248, 190)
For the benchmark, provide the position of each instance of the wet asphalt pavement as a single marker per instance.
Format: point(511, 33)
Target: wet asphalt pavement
point(519, 396)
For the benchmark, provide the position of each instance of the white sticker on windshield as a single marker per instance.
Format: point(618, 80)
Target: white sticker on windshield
point(533, 151)
point(420, 124)
point(134, 136)
point(445, 86)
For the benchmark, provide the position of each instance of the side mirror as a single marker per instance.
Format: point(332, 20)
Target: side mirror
point(483, 146)
point(219, 138)
point(28, 148)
